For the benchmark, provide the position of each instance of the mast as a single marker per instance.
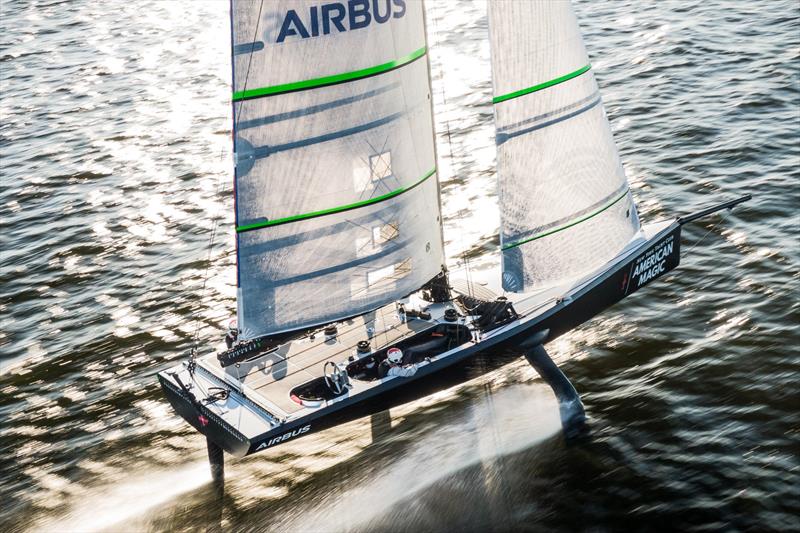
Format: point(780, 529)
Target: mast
point(433, 131)
point(337, 198)
point(565, 203)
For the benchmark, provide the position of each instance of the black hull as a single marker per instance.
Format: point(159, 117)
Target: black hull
point(660, 256)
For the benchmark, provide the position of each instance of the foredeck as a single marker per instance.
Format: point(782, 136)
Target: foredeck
point(274, 375)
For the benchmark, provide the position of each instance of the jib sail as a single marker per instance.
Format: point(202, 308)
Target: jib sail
point(565, 204)
point(337, 208)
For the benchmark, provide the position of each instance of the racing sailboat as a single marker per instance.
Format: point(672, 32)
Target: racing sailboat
point(340, 255)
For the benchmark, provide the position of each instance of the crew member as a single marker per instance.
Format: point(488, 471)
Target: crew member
point(233, 333)
point(391, 365)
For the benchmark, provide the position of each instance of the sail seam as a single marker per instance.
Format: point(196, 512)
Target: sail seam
point(334, 210)
point(329, 80)
point(570, 223)
point(539, 87)
point(538, 118)
point(502, 137)
point(342, 266)
point(271, 119)
point(255, 250)
point(265, 151)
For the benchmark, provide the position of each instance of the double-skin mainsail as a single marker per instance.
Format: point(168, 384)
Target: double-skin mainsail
point(337, 201)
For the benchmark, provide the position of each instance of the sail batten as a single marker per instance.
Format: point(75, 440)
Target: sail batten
point(540, 86)
point(337, 209)
point(329, 80)
point(561, 225)
point(565, 203)
point(535, 123)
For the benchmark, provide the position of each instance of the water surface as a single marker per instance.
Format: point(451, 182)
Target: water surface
point(115, 157)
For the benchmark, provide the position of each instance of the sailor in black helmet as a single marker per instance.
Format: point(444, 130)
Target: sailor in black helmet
point(391, 365)
point(233, 333)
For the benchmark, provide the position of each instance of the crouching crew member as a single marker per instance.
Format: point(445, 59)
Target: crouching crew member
point(391, 365)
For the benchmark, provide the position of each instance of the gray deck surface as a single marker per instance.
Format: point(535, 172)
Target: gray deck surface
point(273, 376)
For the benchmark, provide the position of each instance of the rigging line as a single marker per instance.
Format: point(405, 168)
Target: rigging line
point(464, 257)
point(215, 223)
point(214, 226)
point(714, 225)
point(249, 62)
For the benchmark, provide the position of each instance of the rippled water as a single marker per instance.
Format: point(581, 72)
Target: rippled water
point(115, 156)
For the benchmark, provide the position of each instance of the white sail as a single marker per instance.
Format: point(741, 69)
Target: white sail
point(337, 208)
point(565, 204)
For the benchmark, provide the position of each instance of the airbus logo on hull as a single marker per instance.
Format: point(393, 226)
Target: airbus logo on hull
point(285, 436)
point(339, 16)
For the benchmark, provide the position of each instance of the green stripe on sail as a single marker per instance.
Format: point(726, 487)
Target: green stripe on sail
point(329, 80)
point(332, 210)
point(569, 224)
point(545, 85)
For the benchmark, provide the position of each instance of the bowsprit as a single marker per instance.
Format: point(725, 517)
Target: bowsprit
point(339, 16)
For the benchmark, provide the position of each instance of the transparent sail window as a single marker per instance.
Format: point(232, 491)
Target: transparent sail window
point(388, 275)
point(376, 276)
point(385, 233)
point(366, 246)
point(380, 166)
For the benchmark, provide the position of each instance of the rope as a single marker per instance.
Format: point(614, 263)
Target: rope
point(215, 218)
point(464, 257)
point(714, 225)
point(216, 394)
point(249, 60)
point(196, 336)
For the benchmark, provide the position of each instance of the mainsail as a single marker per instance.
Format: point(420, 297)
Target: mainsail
point(337, 208)
point(565, 204)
